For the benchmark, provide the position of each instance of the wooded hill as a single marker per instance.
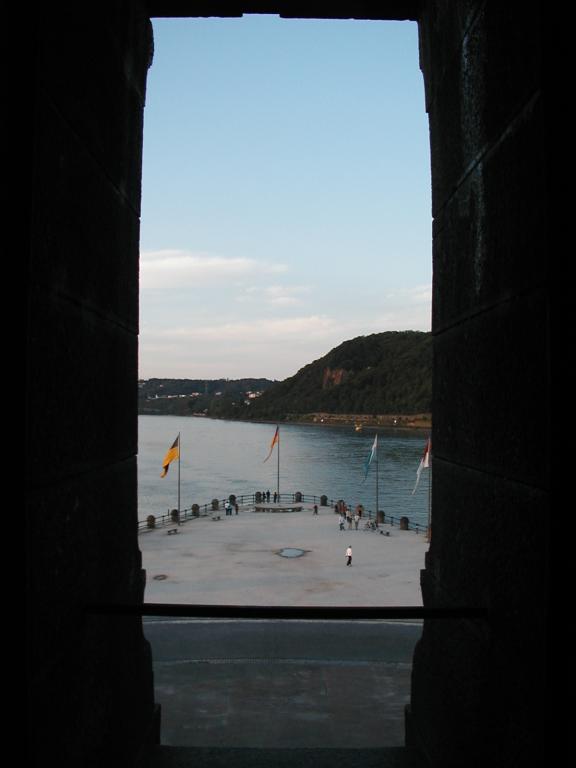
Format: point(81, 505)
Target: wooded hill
point(183, 397)
point(383, 373)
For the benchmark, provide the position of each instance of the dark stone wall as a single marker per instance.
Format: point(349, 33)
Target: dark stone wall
point(89, 678)
point(478, 684)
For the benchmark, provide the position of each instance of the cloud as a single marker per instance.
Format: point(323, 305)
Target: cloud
point(273, 348)
point(406, 309)
point(166, 269)
point(259, 331)
point(275, 295)
point(210, 345)
point(418, 294)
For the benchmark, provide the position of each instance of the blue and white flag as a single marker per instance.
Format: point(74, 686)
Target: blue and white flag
point(372, 454)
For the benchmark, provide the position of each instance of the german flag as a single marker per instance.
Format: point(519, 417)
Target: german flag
point(275, 439)
point(173, 453)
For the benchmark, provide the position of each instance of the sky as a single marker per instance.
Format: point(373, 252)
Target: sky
point(285, 193)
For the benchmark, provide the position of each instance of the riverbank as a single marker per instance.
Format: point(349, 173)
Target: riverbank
point(412, 421)
point(420, 421)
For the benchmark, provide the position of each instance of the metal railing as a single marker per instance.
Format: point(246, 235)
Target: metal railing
point(214, 507)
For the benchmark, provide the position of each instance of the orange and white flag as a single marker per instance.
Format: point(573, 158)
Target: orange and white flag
point(275, 439)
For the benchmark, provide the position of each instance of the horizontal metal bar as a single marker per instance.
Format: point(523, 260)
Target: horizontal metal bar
point(295, 613)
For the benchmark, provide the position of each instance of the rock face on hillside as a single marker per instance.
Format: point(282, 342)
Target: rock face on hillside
point(332, 378)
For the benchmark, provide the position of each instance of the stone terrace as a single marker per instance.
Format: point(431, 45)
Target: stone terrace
point(235, 561)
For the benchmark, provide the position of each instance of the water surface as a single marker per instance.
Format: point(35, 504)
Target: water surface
point(223, 457)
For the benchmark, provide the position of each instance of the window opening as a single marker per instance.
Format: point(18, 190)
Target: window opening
point(285, 211)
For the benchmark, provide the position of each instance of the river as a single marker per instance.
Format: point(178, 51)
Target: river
point(223, 457)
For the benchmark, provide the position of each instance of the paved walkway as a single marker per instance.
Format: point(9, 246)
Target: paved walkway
point(235, 561)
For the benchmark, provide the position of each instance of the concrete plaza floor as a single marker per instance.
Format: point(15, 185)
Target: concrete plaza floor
point(279, 683)
point(235, 561)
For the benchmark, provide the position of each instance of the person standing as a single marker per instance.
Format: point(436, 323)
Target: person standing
point(349, 556)
point(356, 520)
point(342, 521)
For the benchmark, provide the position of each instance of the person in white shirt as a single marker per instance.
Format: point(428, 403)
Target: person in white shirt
point(349, 556)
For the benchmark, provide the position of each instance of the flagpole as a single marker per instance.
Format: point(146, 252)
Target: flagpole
point(179, 454)
point(278, 467)
point(429, 532)
point(376, 481)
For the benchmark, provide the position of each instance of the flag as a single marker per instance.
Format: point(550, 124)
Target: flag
point(275, 439)
point(424, 463)
point(173, 453)
point(371, 456)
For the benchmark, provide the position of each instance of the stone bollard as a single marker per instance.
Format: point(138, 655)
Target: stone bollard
point(380, 516)
point(298, 496)
point(174, 515)
point(215, 504)
point(195, 510)
point(404, 524)
point(151, 521)
point(258, 497)
point(232, 499)
point(324, 501)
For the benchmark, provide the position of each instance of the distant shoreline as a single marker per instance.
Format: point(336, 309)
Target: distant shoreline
point(419, 421)
point(411, 421)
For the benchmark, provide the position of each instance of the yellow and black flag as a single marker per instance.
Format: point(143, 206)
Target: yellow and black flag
point(172, 455)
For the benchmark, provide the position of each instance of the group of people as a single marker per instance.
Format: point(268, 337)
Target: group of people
point(228, 508)
point(347, 516)
point(352, 518)
point(266, 496)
